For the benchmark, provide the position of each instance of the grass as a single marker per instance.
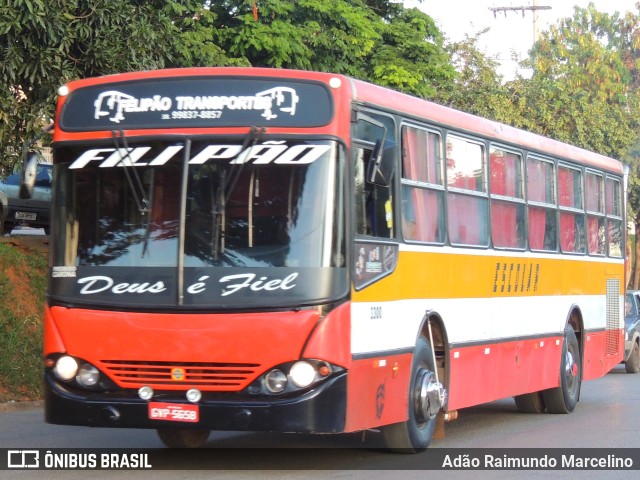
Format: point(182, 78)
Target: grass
point(22, 293)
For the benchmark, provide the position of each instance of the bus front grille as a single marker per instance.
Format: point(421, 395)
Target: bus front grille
point(180, 375)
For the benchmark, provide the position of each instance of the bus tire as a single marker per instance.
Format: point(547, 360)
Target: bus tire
point(530, 402)
point(183, 438)
point(632, 365)
point(415, 434)
point(563, 398)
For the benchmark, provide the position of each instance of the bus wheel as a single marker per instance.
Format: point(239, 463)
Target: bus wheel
point(563, 399)
point(530, 402)
point(632, 365)
point(183, 438)
point(426, 398)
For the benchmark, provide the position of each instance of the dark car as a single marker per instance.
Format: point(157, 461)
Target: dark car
point(35, 211)
point(632, 328)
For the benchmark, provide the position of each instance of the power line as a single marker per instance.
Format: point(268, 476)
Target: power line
point(524, 8)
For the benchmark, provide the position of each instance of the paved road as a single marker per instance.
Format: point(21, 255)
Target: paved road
point(606, 417)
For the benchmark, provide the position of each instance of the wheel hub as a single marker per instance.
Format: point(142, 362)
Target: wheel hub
point(430, 396)
point(571, 366)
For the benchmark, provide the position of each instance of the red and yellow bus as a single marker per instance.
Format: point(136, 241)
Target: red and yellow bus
point(270, 250)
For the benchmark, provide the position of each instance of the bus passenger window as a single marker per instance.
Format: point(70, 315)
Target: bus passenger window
point(422, 186)
point(374, 204)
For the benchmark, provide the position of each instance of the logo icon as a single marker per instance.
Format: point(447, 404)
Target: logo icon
point(112, 103)
point(23, 459)
point(178, 374)
point(284, 98)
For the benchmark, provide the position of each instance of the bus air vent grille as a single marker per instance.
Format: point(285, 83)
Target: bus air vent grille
point(180, 375)
point(613, 316)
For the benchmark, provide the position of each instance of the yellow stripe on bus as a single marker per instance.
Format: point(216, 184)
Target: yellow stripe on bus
point(447, 275)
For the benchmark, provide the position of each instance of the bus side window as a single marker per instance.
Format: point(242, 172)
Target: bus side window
point(373, 203)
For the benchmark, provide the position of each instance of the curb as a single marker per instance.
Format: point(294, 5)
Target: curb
point(20, 406)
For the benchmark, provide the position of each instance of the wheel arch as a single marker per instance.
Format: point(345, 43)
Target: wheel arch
point(440, 343)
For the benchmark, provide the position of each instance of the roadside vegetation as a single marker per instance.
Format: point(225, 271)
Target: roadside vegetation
point(23, 263)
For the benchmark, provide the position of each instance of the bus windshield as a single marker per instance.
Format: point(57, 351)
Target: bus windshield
point(137, 222)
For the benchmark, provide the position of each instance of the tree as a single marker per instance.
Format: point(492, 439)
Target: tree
point(584, 90)
point(478, 88)
point(44, 44)
point(374, 40)
point(581, 90)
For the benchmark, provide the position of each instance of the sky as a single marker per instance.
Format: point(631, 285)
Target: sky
point(510, 32)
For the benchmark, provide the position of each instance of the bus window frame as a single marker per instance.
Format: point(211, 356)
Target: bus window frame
point(512, 200)
point(424, 186)
point(468, 193)
point(600, 214)
point(577, 211)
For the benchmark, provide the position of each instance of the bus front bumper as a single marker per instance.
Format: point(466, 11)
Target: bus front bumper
point(320, 410)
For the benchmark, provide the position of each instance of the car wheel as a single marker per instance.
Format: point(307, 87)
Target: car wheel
point(632, 365)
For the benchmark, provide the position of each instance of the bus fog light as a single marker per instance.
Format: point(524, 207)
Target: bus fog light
point(145, 393)
point(276, 381)
point(88, 375)
point(302, 374)
point(66, 368)
point(194, 395)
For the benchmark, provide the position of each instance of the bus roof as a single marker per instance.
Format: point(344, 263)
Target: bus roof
point(391, 100)
point(371, 94)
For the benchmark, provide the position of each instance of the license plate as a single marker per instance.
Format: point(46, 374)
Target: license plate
point(25, 216)
point(174, 412)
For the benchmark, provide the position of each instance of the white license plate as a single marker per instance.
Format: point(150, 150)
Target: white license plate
point(174, 412)
point(25, 216)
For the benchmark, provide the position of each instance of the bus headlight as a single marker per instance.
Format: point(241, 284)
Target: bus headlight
point(276, 381)
point(302, 374)
point(66, 368)
point(88, 375)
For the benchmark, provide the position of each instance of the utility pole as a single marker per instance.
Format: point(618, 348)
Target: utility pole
point(525, 8)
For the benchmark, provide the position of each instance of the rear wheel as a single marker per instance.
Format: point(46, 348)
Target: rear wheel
point(183, 438)
point(563, 398)
point(632, 365)
point(426, 398)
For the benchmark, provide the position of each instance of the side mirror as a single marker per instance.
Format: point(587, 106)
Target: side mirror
point(381, 167)
point(29, 176)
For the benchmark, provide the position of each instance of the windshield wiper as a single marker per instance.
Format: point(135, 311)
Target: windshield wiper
point(226, 187)
point(142, 202)
point(254, 136)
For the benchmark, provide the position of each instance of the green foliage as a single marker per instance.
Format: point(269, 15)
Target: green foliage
point(22, 288)
point(478, 88)
point(44, 44)
point(581, 89)
point(378, 41)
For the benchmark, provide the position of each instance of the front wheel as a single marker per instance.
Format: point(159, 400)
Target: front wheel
point(426, 398)
point(632, 365)
point(563, 398)
point(183, 438)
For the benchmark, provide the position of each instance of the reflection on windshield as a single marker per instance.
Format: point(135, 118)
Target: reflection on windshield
point(273, 214)
point(114, 231)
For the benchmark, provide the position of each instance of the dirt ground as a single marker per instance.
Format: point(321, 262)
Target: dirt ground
point(27, 243)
